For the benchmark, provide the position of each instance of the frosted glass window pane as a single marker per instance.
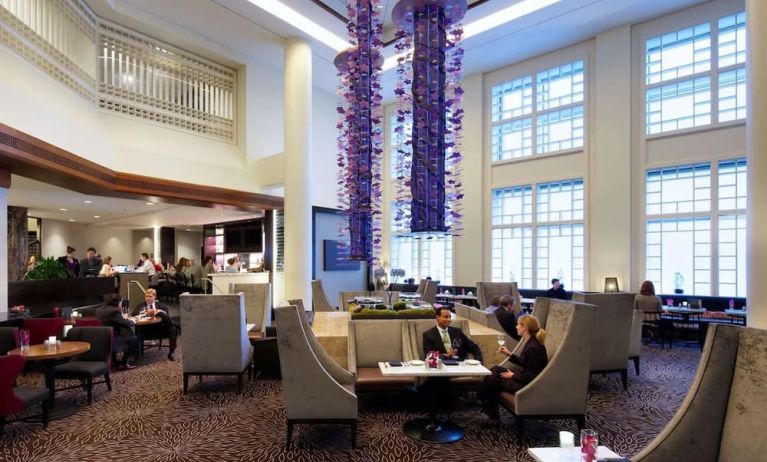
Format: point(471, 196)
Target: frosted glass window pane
point(560, 86)
point(560, 130)
point(512, 99)
point(511, 255)
point(732, 95)
point(678, 54)
point(560, 201)
point(681, 105)
point(512, 140)
point(512, 205)
point(732, 40)
point(732, 255)
point(560, 255)
point(682, 246)
point(732, 184)
point(682, 189)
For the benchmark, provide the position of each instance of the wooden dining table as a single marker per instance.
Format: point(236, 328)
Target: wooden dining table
point(48, 357)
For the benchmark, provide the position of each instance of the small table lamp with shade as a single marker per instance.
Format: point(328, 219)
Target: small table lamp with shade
point(611, 285)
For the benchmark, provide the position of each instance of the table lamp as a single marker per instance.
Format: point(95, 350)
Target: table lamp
point(611, 285)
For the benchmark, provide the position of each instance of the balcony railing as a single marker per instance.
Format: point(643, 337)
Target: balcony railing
point(121, 70)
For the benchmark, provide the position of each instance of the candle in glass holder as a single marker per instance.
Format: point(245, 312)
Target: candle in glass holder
point(566, 440)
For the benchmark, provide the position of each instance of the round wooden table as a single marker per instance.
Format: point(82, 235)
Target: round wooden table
point(48, 357)
point(140, 324)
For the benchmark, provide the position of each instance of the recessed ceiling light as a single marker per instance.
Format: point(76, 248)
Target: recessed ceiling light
point(301, 22)
point(71, 219)
point(63, 210)
point(189, 229)
point(96, 216)
point(88, 202)
point(150, 203)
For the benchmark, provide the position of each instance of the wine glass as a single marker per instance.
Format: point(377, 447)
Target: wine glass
point(501, 340)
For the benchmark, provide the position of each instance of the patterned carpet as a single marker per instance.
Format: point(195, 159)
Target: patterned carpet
point(146, 418)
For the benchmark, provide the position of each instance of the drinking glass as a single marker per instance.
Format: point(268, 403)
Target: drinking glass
point(501, 340)
point(589, 444)
point(24, 340)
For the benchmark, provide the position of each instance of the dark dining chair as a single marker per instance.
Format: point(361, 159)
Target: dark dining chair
point(13, 399)
point(9, 339)
point(93, 363)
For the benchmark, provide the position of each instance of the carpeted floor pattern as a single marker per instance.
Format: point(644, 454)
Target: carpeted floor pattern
point(146, 418)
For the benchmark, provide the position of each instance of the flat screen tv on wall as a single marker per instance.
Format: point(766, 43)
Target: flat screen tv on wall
point(336, 257)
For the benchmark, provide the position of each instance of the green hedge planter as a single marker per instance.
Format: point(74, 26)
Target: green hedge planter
point(411, 313)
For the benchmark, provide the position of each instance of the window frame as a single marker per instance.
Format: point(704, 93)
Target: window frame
point(534, 226)
point(713, 75)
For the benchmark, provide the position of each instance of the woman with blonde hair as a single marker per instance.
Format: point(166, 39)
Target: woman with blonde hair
point(106, 268)
point(523, 368)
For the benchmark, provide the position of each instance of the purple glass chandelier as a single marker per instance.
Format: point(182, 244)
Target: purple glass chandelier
point(359, 140)
point(430, 154)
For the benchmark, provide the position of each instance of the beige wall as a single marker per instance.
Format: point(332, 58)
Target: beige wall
point(112, 241)
point(188, 244)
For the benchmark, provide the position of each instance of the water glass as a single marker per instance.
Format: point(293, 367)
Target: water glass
point(501, 340)
point(24, 340)
point(589, 444)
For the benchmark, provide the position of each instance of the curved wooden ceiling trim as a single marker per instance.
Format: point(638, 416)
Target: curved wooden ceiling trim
point(27, 156)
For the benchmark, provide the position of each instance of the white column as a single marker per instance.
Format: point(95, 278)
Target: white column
point(3, 248)
point(608, 185)
point(756, 148)
point(298, 167)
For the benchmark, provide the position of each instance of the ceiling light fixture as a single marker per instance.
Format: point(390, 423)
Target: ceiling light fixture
point(301, 22)
point(71, 219)
point(486, 23)
point(63, 210)
point(88, 202)
point(150, 203)
point(96, 216)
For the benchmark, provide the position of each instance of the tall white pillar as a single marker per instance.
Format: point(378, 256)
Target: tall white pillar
point(298, 167)
point(756, 148)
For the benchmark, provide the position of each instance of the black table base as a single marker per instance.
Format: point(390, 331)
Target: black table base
point(433, 431)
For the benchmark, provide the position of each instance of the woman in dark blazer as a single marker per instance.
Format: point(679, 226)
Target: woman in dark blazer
point(523, 368)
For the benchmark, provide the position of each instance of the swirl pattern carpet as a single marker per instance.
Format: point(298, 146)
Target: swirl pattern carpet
point(146, 418)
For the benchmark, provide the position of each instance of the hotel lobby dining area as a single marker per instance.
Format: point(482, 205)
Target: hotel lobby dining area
point(383, 230)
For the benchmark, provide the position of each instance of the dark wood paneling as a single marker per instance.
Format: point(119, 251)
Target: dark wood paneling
point(42, 296)
point(17, 243)
point(30, 157)
point(167, 245)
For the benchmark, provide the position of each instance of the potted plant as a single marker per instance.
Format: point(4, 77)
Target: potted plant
point(48, 268)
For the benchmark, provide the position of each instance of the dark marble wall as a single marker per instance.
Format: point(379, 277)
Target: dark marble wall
point(17, 243)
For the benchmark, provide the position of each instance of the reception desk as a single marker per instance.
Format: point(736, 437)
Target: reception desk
point(221, 281)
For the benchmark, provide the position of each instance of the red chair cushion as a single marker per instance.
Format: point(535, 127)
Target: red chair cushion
point(10, 366)
point(42, 328)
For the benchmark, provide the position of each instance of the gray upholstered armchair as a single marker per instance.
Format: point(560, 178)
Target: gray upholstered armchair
point(218, 341)
point(429, 294)
point(541, 309)
point(635, 344)
point(319, 299)
point(487, 290)
point(486, 319)
point(312, 394)
point(372, 341)
point(612, 331)
point(258, 305)
point(560, 390)
point(723, 416)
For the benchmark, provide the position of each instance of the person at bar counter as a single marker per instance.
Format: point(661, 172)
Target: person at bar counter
point(556, 291)
point(124, 341)
point(166, 328)
point(494, 304)
point(505, 315)
point(106, 268)
point(90, 266)
point(145, 265)
point(70, 262)
point(523, 368)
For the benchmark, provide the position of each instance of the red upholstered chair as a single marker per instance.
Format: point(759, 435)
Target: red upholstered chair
point(14, 400)
point(42, 328)
point(88, 322)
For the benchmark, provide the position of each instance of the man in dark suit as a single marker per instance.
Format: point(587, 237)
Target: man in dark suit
point(166, 328)
point(450, 341)
point(124, 341)
point(505, 316)
point(556, 290)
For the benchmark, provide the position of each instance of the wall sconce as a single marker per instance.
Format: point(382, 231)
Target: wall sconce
point(611, 285)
